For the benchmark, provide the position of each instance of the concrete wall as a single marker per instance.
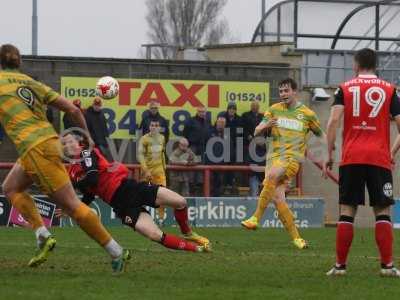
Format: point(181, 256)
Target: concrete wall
point(257, 52)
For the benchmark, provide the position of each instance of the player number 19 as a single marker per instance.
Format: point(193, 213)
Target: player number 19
point(375, 103)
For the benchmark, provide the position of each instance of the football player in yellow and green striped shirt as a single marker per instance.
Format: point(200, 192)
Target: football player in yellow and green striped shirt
point(22, 114)
point(290, 123)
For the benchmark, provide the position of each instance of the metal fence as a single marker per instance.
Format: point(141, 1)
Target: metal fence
point(331, 67)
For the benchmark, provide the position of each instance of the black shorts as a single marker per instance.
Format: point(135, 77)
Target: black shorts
point(354, 178)
point(130, 198)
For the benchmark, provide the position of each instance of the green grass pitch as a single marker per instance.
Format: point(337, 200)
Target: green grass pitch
point(244, 265)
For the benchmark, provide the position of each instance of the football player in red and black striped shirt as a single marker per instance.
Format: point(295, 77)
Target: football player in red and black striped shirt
point(94, 176)
point(367, 104)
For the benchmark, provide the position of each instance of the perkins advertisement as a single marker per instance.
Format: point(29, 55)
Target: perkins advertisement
point(225, 212)
point(202, 212)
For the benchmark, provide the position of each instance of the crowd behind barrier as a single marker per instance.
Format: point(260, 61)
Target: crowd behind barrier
point(236, 132)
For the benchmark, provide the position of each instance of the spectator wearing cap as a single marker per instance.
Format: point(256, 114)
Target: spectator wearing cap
point(234, 124)
point(67, 120)
point(153, 114)
point(217, 152)
point(97, 126)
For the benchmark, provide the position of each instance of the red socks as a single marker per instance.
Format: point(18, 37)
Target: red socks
point(174, 242)
point(344, 238)
point(181, 217)
point(384, 239)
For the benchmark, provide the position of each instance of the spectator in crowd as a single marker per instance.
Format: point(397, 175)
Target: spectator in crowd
point(257, 154)
point(151, 156)
point(250, 120)
point(217, 151)
point(234, 124)
point(1, 134)
point(67, 120)
point(97, 125)
point(153, 114)
point(184, 156)
point(197, 131)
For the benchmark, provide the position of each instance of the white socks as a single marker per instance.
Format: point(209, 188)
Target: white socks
point(114, 249)
point(41, 234)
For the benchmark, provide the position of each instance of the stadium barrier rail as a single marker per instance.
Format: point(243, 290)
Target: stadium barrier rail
point(205, 169)
point(208, 169)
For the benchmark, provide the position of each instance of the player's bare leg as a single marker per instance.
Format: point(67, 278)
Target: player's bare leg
point(272, 177)
point(344, 238)
point(66, 198)
point(166, 197)
point(146, 227)
point(286, 216)
point(14, 187)
point(384, 241)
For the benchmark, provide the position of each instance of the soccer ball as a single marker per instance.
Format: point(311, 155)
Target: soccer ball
point(107, 87)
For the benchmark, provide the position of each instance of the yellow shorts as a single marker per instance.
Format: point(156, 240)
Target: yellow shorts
point(160, 180)
point(290, 165)
point(43, 163)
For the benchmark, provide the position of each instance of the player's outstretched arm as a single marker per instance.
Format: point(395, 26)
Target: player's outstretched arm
point(333, 124)
point(396, 144)
point(323, 139)
point(327, 160)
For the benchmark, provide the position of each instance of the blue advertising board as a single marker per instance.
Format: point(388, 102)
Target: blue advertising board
point(211, 212)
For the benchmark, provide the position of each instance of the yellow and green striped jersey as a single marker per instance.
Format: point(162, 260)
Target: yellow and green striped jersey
point(151, 154)
point(23, 109)
point(290, 135)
